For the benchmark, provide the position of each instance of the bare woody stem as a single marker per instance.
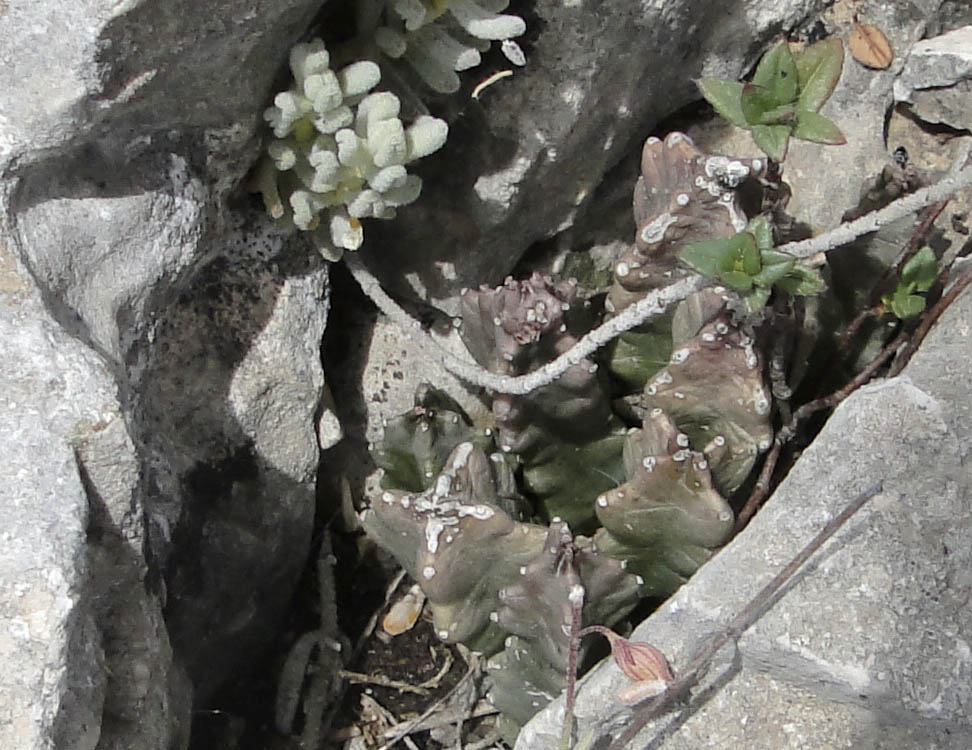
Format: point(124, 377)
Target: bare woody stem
point(653, 304)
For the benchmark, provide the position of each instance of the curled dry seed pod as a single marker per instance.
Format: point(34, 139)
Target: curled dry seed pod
point(641, 663)
point(667, 518)
point(713, 389)
point(458, 543)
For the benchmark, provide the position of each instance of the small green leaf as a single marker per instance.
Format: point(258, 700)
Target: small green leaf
point(777, 72)
point(802, 281)
point(811, 126)
point(772, 139)
point(759, 227)
point(724, 96)
point(778, 115)
point(755, 102)
point(749, 262)
point(818, 70)
point(776, 265)
point(738, 280)
point(904, 305)
point(757, 299)
point(921, 270)
point(737, 247)
point(708, 257)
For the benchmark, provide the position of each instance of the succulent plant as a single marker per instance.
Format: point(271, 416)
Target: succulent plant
point(667, 518)
point(439, 38)
point(682, 196)
point(653, 497)
point(339, 152)
point(537, 611)
point(564, 434)
point(714, 391)
point(458, 543)
point(416, 444)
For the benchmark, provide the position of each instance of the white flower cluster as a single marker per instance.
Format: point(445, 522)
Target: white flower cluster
point(439, 38)
point(340, 152)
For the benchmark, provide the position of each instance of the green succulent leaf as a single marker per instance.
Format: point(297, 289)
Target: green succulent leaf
point(772, 139)
point(759, 227)
point(818, 70)
point(802, 281)
point(904, 305)
point(920, 272)
point(710, 257)
point(749, 261)
point(724, 96)
point(811, 126)
point(777, 72)
point(756, 101)
point(776, 265)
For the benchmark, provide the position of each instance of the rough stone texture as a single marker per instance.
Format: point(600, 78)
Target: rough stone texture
point(86, 658)
point(859, 106)
point(937, 79)
point(545, 137)
point(869, 646)
point(162, 352)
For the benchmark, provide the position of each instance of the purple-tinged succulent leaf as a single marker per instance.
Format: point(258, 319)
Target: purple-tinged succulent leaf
point(456, 541)
point(714, 391)
point(683, 196)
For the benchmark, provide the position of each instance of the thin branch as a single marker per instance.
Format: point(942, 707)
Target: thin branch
point(400, 731)
point(873, 221)
point(827, 402)
point(761, 489)
point(755, 609)
point(653, 304)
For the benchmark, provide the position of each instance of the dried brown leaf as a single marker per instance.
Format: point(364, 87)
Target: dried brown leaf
point(870, 47)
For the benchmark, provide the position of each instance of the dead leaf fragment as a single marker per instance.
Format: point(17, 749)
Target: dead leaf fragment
point(404, 613)
point(870, 47)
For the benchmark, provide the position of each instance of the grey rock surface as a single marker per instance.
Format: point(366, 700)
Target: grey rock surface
point(936, 80)
point(869, 647)
point(86, 657)
point(859, 106)
point(162, 351)
point(545, 138)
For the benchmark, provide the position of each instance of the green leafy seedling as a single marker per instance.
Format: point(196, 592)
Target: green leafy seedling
point(918, 275)
point(783, 99)
point(748, 263)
